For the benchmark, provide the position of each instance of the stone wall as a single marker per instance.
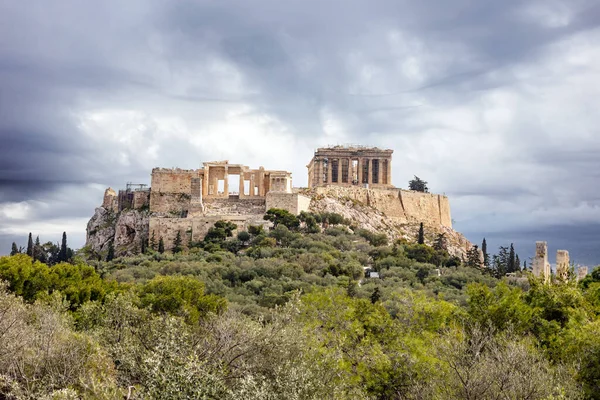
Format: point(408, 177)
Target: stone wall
point(292, 202)
point(173, 180)
point(195, 229)
point(141, 198)
point(404, 206)
point(110, 201)
point(234, 206)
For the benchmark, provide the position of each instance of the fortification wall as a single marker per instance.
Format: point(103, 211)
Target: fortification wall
point(141, 198)
point(195, 229)
point(292, 202)
point(404, 206)
point(234, 206)
point(169, 203)
point(173, 180)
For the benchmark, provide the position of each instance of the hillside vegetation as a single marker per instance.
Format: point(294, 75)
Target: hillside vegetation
point(290, 314)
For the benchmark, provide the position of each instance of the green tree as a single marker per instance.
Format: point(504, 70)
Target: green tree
point(440, 243)
point(182, 296)
point(486, 255)
point(243, 236)
point(255, 230)
point(161, 245)
point(111, 251)
point(512, 262)
point(30, 246)
point(14, 250)
point(279, 216)
point(473, 257)
point(500, 261)
point(62, 255)
point(38, 251)
point(418, 185)
point(177, 243)
point(153, 241)
point(220, 232)
point(419, 252)
point(376, 295)
point(352, 289)
point(421, 235)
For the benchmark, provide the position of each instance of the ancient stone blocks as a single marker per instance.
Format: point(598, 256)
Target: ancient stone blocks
point(562, 265)
point(541, 266)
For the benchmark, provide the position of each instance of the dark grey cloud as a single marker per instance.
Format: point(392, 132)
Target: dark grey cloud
point(491, 102)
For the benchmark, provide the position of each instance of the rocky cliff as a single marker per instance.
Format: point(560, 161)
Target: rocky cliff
point(127, 230)
point(395, 212)
point(371, 211)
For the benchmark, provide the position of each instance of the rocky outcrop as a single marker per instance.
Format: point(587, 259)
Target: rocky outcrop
point(397, 213)
point(127, 230)
point(369, 216)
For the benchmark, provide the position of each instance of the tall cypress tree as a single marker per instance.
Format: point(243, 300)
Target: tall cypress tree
point(486, 255)
point(153, 241)
point(512, 266)
point(177, 243)
point(30, 246)
point(517, 263)
point(421, 237)
point(14, 250)
point(37, 249)
point(62, 255)
point(111, 251)
point(161, 245)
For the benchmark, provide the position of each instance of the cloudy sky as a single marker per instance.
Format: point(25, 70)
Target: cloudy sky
point(492, 102)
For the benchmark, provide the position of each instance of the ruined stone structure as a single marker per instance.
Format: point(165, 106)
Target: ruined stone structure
point(582, 273)
point(189, 202)
point(352, 181)
point(541, 266)
point(351, 166)
point(110, 201)
point(562, 265)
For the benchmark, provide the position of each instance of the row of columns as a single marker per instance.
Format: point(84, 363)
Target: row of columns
point(213, 179)
point(351, 172)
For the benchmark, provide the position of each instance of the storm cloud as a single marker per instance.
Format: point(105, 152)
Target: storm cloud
point(493, 103)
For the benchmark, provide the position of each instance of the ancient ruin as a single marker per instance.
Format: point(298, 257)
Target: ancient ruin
point(351, 166)
point(189, 202)
point(354, 181)
point(582, 273)
point(562, 265)
point(541, 266)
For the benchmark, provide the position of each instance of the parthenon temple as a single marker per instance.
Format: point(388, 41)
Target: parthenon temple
point(351, 166)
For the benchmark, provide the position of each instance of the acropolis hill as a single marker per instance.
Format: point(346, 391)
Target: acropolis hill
point(354, 181)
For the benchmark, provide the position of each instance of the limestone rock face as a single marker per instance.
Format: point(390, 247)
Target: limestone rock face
point(127, 229)
point(367, 216)
point(100, 230)
point(131, 230)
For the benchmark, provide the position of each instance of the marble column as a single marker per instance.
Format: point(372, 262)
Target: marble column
point(328, 171)
point(252, 185)
point(241, 185)
point(205, 182)
point(379, 171)
point(359, 172)
point(389, 171)
point(226, 182)
point(261, 181)
point(370, 172)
